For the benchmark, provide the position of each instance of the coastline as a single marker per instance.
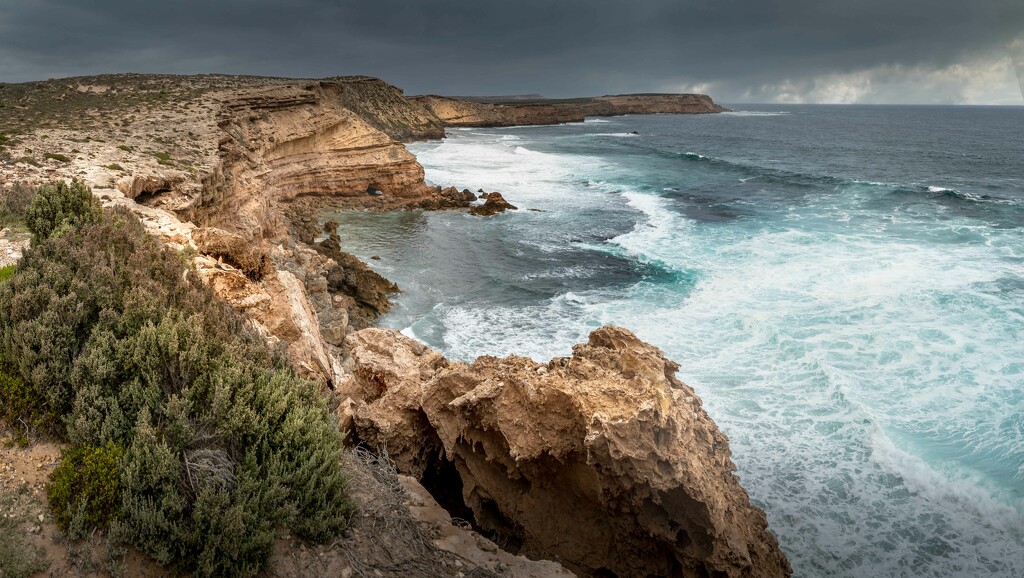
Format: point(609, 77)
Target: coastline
point(266, 158)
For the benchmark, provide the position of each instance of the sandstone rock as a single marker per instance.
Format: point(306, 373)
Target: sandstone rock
point(462, 112)
point(280, 143)
point(138, 186)
point(471, 546)
point(234, 249)
point(604, 459)
point(494, 204)
point(455, 198)
point(392, 366)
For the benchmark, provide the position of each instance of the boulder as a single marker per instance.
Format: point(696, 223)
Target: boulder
point(494, 204)
point(235, 250)
point(151, 184)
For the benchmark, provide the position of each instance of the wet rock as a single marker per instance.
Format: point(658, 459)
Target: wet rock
point(494, 204)
point(351, 277)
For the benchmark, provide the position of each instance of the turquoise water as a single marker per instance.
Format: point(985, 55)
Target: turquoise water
point(842, 286)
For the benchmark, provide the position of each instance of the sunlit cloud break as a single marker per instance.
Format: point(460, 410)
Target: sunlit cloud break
point(991, 79)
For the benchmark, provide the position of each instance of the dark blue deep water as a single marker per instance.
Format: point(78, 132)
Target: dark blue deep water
point(843, 286)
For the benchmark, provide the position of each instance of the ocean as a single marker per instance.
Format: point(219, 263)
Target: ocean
point(843, 286)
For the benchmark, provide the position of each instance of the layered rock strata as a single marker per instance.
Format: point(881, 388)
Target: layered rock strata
point(463, 112)
point(604, 459)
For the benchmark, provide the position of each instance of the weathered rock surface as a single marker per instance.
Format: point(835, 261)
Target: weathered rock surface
point(347, 275)
point(284, 142)
point(603, 459)
point(494, 204)
point(245, 254)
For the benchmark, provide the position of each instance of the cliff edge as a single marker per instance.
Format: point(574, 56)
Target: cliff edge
point(467, 112)
point(604, 459)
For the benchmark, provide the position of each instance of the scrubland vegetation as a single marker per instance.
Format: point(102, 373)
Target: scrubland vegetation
point(184, 435)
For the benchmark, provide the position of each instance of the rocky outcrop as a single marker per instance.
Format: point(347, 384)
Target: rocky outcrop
point(603, 459)
point(151, 183)
point(462, 112)
point(284, 142)
point(494, 204)
point(347, 275)
point(245, 254)
point(465, 112)
point(385, 107)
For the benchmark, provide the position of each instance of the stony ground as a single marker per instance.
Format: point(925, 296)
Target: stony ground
point(103, 128)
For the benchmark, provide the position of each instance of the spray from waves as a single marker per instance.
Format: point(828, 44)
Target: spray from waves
point(519, 150)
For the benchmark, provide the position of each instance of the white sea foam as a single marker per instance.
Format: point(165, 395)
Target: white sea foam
point(525, 151)
point(866, 369)
point(754, 113)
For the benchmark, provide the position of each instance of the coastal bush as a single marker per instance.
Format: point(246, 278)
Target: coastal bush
point(24, 409)
point(83, 491)
point(58, 207)
point(222, 444)
point(14, 201)
point(57, 157)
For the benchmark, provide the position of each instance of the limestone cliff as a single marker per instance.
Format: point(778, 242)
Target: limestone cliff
point(464, 112)
point(604, 459)
point(284, 142)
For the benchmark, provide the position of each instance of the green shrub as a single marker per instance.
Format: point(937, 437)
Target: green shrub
point(7, 272)
point(114, 167)
point(57, 157)
point(23, 408)
point(14, 201)
point(58, 207)
point(84, 489)
point(223, 444)
point(27, 161)
point(126, 148)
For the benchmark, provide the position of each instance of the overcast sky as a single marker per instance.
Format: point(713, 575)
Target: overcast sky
point(894, 51)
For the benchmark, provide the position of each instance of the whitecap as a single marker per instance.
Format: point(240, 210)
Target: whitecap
point(754, 113)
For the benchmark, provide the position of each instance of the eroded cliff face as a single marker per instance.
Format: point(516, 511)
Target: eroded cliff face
point(462, 112)
point(281, 143)
point(603, 459)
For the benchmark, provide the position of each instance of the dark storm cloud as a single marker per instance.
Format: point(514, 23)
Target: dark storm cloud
point(555, 47)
